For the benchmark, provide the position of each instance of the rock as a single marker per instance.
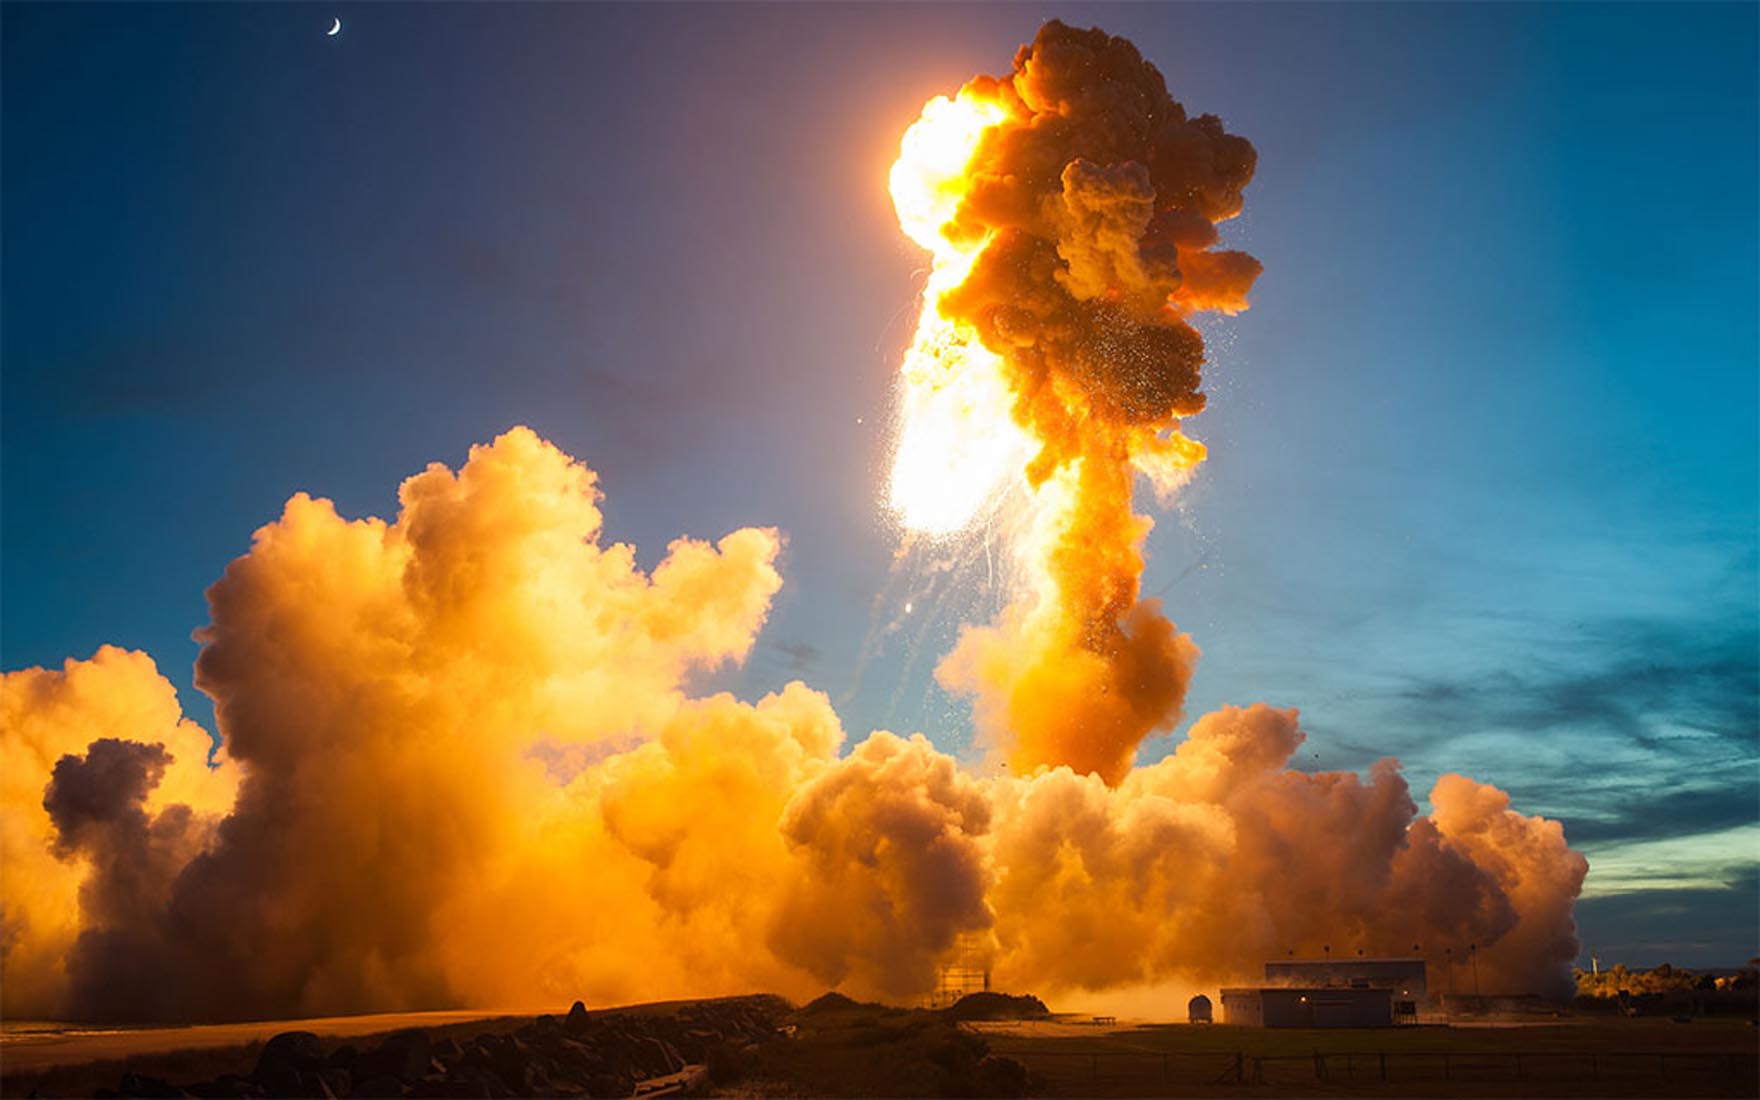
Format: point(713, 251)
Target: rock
point(727, 1064)
point(512, 1063)
point(661, 1057)
point(436, 1085)
point(479, 1051)
point(573, 1052)
point(227, 1086)
point(381, 1087)
point(473, 1080)
point(287, 1085)
point(406, 1054)
point(447, 1050)
point(403, 1056)
point(287, 1054)
point(318, 1087)
point(148, 1088)
point(577, 1020)
point(1001, 1077)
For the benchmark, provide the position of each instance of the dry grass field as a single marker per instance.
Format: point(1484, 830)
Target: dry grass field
point(1566, 1058)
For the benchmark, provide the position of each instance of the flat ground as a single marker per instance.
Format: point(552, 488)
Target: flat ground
point(1569, 1057)
point(38, 1048)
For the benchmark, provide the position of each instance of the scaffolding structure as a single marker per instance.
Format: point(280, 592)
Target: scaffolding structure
point(966, 969)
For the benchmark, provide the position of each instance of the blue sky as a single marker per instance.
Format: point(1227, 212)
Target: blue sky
point(1484, 461)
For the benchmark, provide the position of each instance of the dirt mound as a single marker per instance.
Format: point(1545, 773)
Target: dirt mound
point(832, 1002)
point(997, 1006)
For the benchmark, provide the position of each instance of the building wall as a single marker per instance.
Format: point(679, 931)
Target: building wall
point(1315, 1007)
point(1243, 1008)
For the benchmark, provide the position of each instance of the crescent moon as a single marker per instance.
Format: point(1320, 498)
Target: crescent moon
point(335, 29)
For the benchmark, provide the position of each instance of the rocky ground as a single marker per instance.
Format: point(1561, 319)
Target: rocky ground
point(615, 1054)
point(747, 1046)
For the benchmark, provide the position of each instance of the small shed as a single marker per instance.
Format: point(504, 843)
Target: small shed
point(1198, 1010)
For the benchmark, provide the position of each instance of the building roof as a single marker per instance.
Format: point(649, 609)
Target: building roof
point(1345, 960)
point(1317, 990)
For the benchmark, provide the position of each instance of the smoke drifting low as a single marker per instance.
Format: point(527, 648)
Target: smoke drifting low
point(466, 773)
point(460, 765)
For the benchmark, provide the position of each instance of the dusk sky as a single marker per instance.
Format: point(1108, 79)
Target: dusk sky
point(1484, 464)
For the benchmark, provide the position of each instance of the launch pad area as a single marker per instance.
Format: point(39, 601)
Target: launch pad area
point(841, 1048)
point(1567, 1057)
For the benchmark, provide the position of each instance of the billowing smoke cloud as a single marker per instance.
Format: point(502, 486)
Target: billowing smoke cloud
point(1218, 858)
point(97, 804)
point(893, 868)
point(471, 776)
point(1073, 240)
point(46, 715)
point(461, 765)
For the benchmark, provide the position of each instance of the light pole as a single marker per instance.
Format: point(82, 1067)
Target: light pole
point(1473, 953)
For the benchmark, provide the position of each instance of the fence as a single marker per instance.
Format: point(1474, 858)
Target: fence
point(1411, 1065)
point(1127, 1069)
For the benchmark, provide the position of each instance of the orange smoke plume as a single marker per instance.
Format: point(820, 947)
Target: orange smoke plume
point(460, 768)
point(45, 717)
point(1070, 208)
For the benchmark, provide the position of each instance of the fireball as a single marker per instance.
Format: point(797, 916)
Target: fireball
point(957, 449)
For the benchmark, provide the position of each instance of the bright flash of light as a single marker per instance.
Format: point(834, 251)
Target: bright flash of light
point(928, 179)
point(957, 448)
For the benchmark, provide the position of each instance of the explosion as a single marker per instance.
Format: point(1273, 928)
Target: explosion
point(1070, 211)
point(957, 448)
point(459, 764)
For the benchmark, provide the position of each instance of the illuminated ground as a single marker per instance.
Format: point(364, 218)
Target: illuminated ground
point(33, 1051)
point(75, 1060)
